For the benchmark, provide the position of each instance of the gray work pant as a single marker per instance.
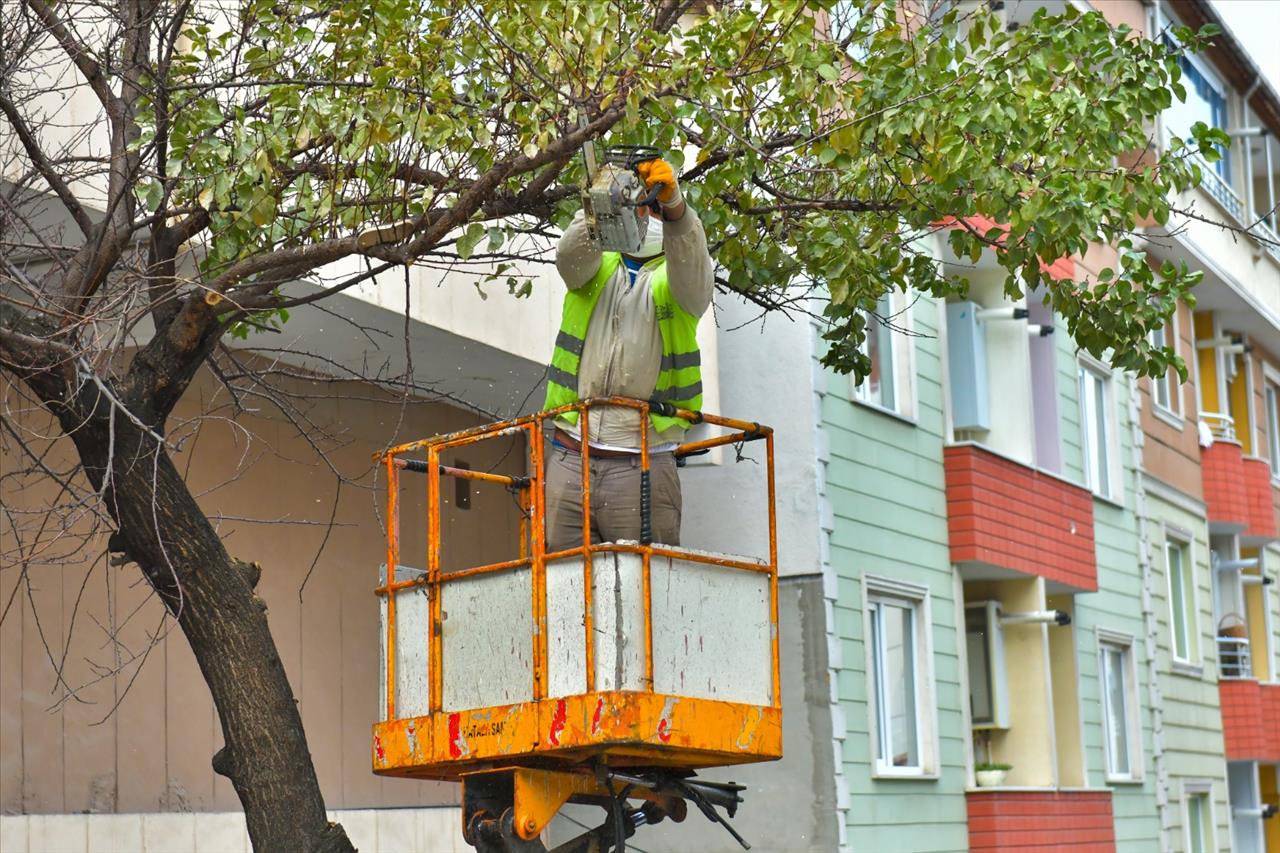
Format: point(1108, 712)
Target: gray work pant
point(615, 498)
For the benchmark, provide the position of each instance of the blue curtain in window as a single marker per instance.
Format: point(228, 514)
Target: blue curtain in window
point(1217, 107)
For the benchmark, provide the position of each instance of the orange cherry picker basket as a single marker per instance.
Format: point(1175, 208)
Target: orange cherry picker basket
point(605, 673)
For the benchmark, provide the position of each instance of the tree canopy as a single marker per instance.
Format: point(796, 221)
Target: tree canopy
point(823, 140)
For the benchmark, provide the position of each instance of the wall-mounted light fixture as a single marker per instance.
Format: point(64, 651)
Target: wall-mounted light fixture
point(1007, 313)
point(1231, 345)
point(1010, 312)
point(1037, 617)
point(1235, 565)
point(1264, 812)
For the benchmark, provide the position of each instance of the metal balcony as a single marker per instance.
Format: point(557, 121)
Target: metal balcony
point(1221, 427)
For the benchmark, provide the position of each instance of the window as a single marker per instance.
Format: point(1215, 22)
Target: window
point(1273, 427)
point(1164, 389)
point(1198, 818)
point(1096, 434)
point(888, 346)
point(900, 687)
point(1206, 101)
point(1183, 618)
point(988, 684)
point(1118, 684)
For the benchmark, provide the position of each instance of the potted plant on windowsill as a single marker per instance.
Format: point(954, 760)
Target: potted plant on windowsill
point(991, 774)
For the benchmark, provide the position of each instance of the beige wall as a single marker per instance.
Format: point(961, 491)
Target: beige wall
point(1068, 725)
point(1130, 12)
point(154, 752)
point(1029, 744)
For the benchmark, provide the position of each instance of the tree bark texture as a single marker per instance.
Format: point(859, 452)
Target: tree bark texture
point(163, 529)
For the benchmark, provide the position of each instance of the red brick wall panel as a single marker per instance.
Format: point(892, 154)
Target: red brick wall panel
point(1010, 515)
point(1250, 720)
point(1033, 821)
point(1063, 269)
point(1257, 486)
point(1271, 719)
point(1225, 483)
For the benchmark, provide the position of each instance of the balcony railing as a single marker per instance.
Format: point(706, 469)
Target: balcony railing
point(1267, 237)
point(1233, 657)
point(1221, 427)
point(1221, 191)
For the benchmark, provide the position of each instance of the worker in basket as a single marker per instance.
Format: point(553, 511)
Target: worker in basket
point(628, 329)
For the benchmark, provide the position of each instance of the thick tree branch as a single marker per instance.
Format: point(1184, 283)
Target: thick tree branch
point(27, 352)
point(162, 369)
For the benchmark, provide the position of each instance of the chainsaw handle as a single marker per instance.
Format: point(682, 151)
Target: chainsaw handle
point(650, 199)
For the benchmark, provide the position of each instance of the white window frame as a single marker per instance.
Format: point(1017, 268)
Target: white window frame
point(1116, 641)
point(1270, 562)
point(1185, 542)
point(1198, 788)
point(1267, 564)
point(1271, 416)
point(995, 664)
point(1172, 413)
point(902, 349)
point(1087, 406)
point(880, 590)
point(1165, 21)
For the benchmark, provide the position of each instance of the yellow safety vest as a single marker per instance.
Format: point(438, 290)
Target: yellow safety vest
point(680, 377)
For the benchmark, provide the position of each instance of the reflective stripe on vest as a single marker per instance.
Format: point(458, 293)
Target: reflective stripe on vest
point(680, 373)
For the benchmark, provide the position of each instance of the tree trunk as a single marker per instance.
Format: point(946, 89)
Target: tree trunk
point(162, 528)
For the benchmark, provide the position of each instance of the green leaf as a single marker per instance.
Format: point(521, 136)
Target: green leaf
point(152, 193)
point(496, 239)
point(469, 239)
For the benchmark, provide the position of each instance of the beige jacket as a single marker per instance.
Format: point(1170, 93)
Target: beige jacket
point(623, 349)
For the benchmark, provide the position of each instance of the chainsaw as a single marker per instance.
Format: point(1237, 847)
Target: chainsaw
point(609, 201)
point(614, 191)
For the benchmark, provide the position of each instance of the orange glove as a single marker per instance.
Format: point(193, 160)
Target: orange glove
point(655, 172)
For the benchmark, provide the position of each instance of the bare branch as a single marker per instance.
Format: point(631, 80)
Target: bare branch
point(78, 53)
point(45, 168)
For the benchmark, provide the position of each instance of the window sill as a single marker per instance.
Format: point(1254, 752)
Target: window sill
point(1187, 669)
point(1062, 789)
point(1125, 780)
point(1110, 501)
point(1169, 416)
point(879, 776)
point(875, 407)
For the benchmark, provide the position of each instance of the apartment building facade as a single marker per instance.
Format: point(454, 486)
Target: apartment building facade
point(988, 483)
point(1211, 457)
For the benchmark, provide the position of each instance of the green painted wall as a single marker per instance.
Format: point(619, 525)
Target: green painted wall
point(884, 484)
point(1192, 724)
point(1116, 606)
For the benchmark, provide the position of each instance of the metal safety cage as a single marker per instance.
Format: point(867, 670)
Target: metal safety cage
point(534, 723)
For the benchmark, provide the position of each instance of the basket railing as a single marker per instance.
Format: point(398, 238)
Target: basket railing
point(530, 491)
